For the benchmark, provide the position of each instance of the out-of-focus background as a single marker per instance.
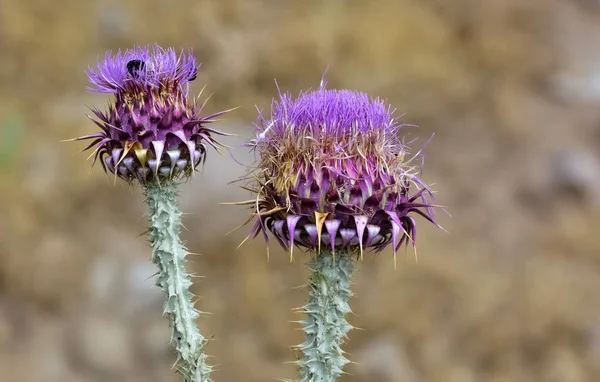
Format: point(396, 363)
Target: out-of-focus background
point(511, 90)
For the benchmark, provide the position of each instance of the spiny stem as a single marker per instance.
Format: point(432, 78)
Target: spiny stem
point(168, 253)
point(325, 326)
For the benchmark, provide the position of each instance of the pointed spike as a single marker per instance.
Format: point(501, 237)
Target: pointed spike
point(99, 149)
point(292, 220)
point(93, 143)
point(332, 227)
point(159, 147)
point(395, 232)
point(361, 223)
point(319, 220)
point(191, 145)
point(90, 136)
point(394, 217)
point(126, 149)
point(413, 232)
point(174, 157)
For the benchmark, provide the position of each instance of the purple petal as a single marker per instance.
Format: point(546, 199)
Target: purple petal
point(159, 147)
point(361, 223)
point(292, 220)
point(347, 235)
point(128, 162)
point(372, 232)
point(174, 156)
point(108, 160)
point(116, 155)
point(311, 229)
point(278, 228)
point(153, 164)
point(332, 227)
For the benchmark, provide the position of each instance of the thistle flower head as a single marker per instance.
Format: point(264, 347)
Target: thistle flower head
point(334, 171)
point(150, 131)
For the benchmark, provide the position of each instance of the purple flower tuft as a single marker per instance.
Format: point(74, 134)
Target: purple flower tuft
point(150, 131)
point(142, 68)
point(334, 174)
point(326, 113)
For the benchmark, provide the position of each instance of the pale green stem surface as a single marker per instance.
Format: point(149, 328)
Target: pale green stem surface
point(325, 326)
point(169, 253)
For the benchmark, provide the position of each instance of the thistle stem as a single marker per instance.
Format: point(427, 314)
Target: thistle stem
point(168, 253)
point(325, 326)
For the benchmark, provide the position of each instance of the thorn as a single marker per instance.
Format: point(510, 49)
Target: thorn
point(319, 221)
point(145, 233)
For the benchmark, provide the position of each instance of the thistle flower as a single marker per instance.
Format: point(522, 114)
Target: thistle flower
point(150, 131)
point(334, 171)
point(334, 175)
point(153, 135)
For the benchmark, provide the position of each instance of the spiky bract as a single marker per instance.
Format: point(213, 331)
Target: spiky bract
point(150, 132)
point(334, 171)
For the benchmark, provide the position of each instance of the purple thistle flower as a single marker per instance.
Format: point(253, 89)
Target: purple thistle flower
point(150, 131)
point(334, 172)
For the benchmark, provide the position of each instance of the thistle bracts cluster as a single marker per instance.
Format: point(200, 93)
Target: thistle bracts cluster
point(151, 131)
point(334, 171)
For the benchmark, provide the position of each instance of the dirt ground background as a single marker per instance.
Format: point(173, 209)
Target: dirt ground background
point(511, 90)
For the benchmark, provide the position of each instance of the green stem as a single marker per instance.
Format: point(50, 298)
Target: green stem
point(325, 326)
point(168, 253)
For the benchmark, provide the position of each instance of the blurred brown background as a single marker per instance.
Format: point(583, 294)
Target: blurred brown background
point(511, 89)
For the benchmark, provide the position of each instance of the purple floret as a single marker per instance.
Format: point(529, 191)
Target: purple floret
point(329, 112)
point(157, 67)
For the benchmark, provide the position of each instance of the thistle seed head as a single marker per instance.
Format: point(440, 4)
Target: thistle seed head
point(151, 131)
point(334, 171)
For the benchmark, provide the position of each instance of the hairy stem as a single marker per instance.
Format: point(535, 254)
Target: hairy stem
point(325, 326)
point(168, 253)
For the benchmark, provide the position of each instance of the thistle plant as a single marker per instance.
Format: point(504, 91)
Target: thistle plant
point(335, 179)
point(153, 135)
